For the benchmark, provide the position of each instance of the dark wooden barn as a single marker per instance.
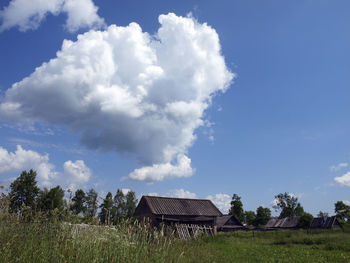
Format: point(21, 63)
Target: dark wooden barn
point(283, 223)
point(169, 211)
point(325, 223)
point(228, 223)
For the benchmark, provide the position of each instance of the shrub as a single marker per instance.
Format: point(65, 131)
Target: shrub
point(305, 220)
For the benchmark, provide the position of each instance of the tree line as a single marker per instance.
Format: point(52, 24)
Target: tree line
point(288, 206)
point(25, 197)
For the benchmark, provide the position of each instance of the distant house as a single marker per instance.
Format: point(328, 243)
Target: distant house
point(228, 223)
point(325, 223)
point(169, 211)
point(283, 223)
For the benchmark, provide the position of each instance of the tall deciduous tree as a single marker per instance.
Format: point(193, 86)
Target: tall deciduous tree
point(237, 207)
point(106, 209)
point(342, 210)
point(263, 215)
point(288, 205)
point(79, 200)
point(91, 203)
point(249, 217)
point(23, 191)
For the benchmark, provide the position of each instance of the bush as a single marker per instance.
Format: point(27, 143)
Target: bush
point(305, 220)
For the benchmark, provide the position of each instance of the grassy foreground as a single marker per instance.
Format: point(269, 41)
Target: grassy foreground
point(132, 242)
point(281, 246)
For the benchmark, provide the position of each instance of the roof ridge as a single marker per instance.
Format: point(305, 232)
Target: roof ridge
point(181, 198)
point(226, 219)
point(181, 206)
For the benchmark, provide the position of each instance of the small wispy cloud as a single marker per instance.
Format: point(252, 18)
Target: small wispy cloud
point(58, 147)
point(340, 166)
point(209, 131)
point(153, 194)
point(30, 128)
point(343, 180)
point(178, 193)
point(181, 193)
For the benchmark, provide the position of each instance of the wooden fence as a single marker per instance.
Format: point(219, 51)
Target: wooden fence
point(187, 231)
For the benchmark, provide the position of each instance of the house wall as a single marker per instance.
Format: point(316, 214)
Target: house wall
point(170, 220)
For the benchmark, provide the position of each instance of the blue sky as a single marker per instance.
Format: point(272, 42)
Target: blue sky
point(281, 125)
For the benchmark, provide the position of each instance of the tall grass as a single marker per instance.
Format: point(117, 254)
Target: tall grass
point(47, 239)
point(50, 241)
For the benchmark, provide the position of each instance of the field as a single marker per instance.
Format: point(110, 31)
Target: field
point(133, 242)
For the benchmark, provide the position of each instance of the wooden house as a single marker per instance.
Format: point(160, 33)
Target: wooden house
point(171, 211)
point(228, 223)
point(283, 223)
point(325, 223)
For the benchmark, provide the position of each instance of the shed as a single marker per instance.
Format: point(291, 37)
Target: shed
point(283, 223)
point(228, 223)
point(325, 223)
point(170, 210)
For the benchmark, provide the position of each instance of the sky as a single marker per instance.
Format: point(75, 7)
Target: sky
point(196, 99)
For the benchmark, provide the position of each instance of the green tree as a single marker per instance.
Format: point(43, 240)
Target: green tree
point(79, 200)
point(249, 217)
point(118, 206)
point(322, 214)
point(23, 192)
point(51, 199)
point(305, 220)
point(288, 205)
point(263, 215)
point(4, 202)
point(106, 209)
point(342, 210)
point(91, 203)
point(237, 207)
point(130, 203)
point(299, 210)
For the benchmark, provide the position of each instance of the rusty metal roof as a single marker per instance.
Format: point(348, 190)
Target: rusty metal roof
point(222, 220)
point(180, 206)
point(271, 223)
point(287, 222)
point(324, 222)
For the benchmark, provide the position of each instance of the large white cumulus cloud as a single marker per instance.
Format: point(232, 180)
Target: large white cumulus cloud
point(222, 201)
point(22, 159)
point(124, 90)
point(28, 14)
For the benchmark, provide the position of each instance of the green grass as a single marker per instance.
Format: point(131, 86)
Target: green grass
point(133, 242)
point(286, 246)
